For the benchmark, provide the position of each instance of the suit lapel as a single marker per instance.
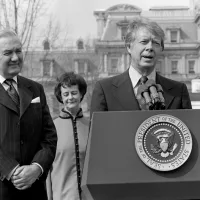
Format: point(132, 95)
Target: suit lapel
point(166, 85)
point(6, 100)
point(123, 91)
point(25, 94)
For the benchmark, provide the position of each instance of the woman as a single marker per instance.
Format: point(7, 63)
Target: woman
point(64, 180)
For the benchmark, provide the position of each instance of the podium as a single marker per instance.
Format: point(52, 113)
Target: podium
point(114, 171)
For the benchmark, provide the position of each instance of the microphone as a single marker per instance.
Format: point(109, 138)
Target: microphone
point(154, 94)
point(144, 93)
point(160, 93)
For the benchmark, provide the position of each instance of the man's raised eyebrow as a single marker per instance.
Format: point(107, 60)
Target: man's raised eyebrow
point(156, 40)
point(20, 48)
point(7, 51)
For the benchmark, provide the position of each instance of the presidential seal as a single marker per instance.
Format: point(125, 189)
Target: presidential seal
point(163, 142)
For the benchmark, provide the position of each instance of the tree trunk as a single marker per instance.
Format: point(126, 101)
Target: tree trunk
point(16, 16)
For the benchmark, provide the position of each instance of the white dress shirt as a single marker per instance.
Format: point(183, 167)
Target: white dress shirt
point(6, 86)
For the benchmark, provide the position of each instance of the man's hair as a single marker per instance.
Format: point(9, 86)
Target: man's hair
point(69, 79)
point(7, 33)
point(142, 22)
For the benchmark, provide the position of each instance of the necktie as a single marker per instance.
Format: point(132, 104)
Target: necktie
point(12, 92)
point(143, 80)
point(142, 88)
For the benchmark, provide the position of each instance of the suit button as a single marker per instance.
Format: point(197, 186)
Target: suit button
point(21, 142)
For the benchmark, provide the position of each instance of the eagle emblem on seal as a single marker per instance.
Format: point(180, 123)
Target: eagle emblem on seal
point(165, 145)
point(163, 142)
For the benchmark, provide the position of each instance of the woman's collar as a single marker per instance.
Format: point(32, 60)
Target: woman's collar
point(66, 115)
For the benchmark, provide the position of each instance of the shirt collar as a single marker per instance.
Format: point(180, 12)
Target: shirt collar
point(2, 79)
point(135, 76)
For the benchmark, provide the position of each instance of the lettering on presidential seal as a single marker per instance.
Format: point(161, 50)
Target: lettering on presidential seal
point(163, 142)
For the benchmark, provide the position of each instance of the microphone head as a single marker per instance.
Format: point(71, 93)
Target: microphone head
point(151, 106)
point(162, 106)
point(142, 89)
point(150, 83)
point(159, 88)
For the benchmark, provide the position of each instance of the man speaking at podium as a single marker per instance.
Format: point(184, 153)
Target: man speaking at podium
point(140, 87)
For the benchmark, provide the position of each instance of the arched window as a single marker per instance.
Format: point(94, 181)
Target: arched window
point(46, 44)
point(123, 25)
point(80, 44)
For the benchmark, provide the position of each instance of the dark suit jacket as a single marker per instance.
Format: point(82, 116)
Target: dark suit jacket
point(25, 138)
point(116, 94)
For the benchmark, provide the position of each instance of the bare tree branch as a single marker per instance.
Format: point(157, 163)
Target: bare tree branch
point(21, 16)
point(18, 5)
point(3, 4)
point(53, 32)
point(25, 20)
point(15, 15)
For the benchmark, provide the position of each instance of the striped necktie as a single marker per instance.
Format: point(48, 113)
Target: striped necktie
point(143, 80)
point(12, 92)
point(140, 98)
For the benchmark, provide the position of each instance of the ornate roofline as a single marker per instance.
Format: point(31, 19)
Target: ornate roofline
point(124, 8)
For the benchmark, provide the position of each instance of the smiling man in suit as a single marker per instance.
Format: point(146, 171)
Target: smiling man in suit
point(144, 42)
point(27, 134)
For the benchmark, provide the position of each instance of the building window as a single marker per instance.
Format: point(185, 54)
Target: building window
point(114, 65)
point(123, 32)
point(174, 66)
point(122, 25)
point(158, 67)
point(174, 36)
point(89, 68)
point(46, 67)
point(191, 64)
point(81, 66)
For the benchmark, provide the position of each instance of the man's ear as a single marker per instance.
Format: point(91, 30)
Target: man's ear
point(128, 46)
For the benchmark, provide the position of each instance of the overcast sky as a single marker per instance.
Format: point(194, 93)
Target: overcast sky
point(78, 14)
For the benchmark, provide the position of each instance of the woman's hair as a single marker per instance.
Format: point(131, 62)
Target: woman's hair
point(69, 79)
point(142, 22)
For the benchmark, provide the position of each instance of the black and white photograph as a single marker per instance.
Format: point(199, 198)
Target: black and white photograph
point(99, 99)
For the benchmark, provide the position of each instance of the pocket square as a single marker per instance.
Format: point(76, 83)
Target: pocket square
point(36, 100)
